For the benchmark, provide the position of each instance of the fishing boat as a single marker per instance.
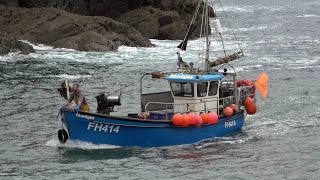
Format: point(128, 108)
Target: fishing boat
point(203, 102)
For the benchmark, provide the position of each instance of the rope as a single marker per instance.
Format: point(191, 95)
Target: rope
point(230, 25)
point(202, 21)
point(192, 22)
point(237, 41)
point(236, 71)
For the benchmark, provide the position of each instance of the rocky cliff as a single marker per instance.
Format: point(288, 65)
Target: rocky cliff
point(10, 44)
point(58, 28)
point(108, 8)
point(96, 25)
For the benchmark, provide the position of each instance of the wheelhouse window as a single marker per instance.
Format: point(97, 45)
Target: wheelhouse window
point(182, 89)
point(213, 88)
point(202, 89)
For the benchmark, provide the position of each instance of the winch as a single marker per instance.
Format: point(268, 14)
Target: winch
point(106, 103)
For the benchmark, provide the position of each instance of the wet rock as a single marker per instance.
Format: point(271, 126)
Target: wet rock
point(58, 28)
point(167, 15)
point(9, 2)
point(9, 44)
point(157, 24)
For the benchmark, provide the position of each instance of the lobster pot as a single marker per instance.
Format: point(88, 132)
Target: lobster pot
point(217, 26)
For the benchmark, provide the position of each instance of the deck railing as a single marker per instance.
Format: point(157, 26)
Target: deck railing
point(230, 99)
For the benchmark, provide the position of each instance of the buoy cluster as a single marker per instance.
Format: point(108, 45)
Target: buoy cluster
point(230, 110)
point(249, 104)
point(245, 82)
point(193, 119)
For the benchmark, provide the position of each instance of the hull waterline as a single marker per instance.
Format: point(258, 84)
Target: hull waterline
point(126, 131)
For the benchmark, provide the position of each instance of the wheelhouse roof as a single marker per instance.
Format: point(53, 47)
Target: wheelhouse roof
point(211, 76)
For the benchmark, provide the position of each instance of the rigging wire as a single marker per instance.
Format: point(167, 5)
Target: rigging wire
point(220, 35)
point(201, 31)
point(237, 41)
point(192, 23)
point(234, 34)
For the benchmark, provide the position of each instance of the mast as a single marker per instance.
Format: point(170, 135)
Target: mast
point(206, 26)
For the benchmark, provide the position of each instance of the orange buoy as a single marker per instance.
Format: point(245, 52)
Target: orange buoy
point(199, 120)
point(185, 120)
point(193, 118)
point(205, 118)
point(250, 105)
point(177, 119)
point(234, 107)
point(238, 83)
point(246, 82)
point(227, 111)
point(213, 117)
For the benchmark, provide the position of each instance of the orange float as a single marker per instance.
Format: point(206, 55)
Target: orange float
point(213, 117)
point(246, 82)
point(238, 83)
point(177, 119)
point(250, 105)
point(193, 118)
point(185, 120)
point(199, 120)
point(228, 111)
point(205, 118)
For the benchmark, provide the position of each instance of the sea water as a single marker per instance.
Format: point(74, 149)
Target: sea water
point(281, 141)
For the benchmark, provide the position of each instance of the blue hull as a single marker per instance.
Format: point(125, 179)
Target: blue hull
point(126, 131)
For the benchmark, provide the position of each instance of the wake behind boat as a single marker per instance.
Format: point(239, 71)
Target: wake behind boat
point(203, 102)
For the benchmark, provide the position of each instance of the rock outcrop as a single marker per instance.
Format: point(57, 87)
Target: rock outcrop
point(135, 21)
point(168, 19)
point(108, 8)
point(157, 24)
point(10, 44)
point(58, 28)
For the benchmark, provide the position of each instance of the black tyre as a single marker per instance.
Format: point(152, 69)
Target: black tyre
point(63, 136)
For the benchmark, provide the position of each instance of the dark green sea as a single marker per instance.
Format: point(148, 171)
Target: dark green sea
point(281, 141)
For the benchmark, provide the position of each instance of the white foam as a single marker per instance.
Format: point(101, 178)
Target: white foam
point(247, 9)
point(79, 144)
point(307, 61)
point(244, 68)
point(67, 76)
point(8, 174)
point(222, 140)
point(13, 56)
point(308, 16)
point(235, 9)
point(43, 47)
point(127, 49)
point(254, 28)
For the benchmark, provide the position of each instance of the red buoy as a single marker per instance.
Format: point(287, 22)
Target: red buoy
point(238, 83)
point(227, 111)
point(246, 82)
point(185, 120)
point(205, 118)
point(193, 118)
point(177, 119)
point(199, 120)
point(250, 105)
point(213, 117)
